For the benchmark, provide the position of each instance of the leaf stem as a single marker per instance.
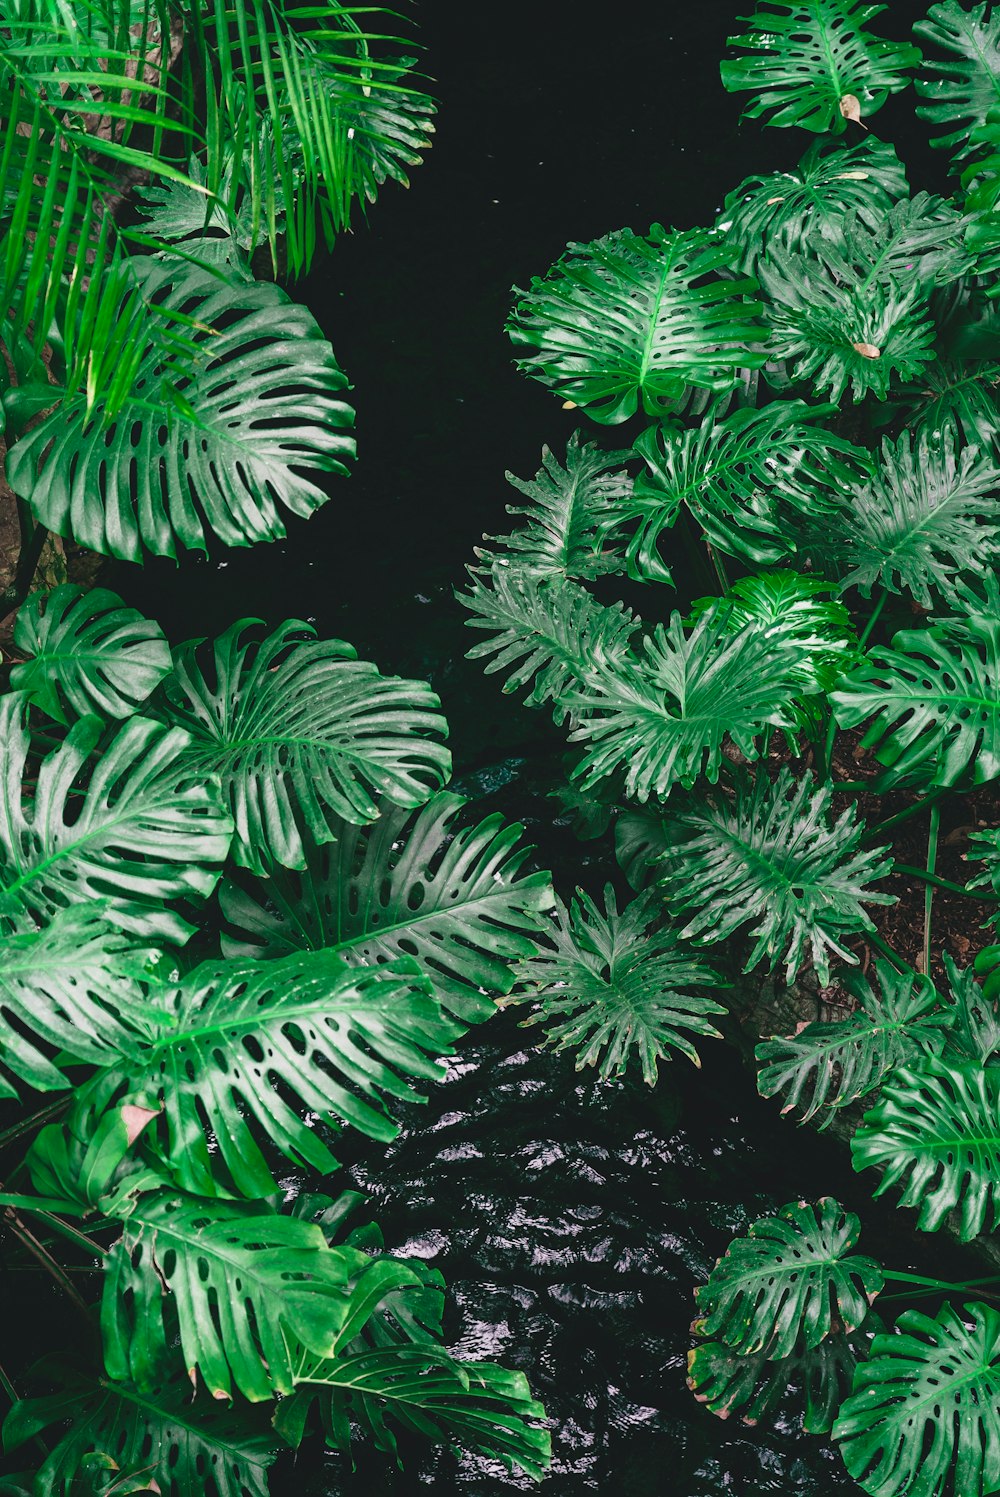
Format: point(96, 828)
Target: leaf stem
point(33, 538)
point(30, 1242)
point(831, 728)
point(875, 940)
point(913, 810)
point(931, 876)
point(927, 876)
point(25, 1125)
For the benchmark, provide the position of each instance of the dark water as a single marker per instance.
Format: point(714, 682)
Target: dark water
point(571, 1220)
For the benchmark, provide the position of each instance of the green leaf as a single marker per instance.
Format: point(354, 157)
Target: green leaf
point(931, 702)
point(610, 984)
point(801, 209)
point(191, 1449)
point(474, 1405)
point(628, 319)
point(823, 1067)
point(774, 855)
point(921, 239)
point(974, 1032)
point(792, 1280)
point(69, 993)
point(131, 829)
point(214, 442)
point(255, 1048)
point(640, 840)
point(936, 1130)
point(742, 479)
point(245, 1284)
point(755, 1387)
point(549, 633)
point(962, 90)
point(297, 728)
point(955, 397)
point(453, 898)
point(925, 1412)
point(925, 516)
point(569, 516)
point(838, 333)
point(813, 64)
point(90, 653)
point(665, 720)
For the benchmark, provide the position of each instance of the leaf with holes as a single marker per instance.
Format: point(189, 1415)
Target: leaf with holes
point(962, 90)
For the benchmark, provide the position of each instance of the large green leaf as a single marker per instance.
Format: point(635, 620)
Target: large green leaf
point(131, 828)
point(475, 1405)
point(839, 333)
point(956, 397)
point(216, 441)
point(609, 985)
point(295, 727)
point(962, 90)
point(454, 898)
point(69, 993)
point(811, 1382)
point(630, 319)
point(801, 208)
point(246, 1285)
point(812, 63)
point(826, 1066)
point(927, 515)
point(569, 515)
point(931, 702)
point(921, 239)
point(742, 478)
point(792, 1280)
point(664, 720)
point(924, 1417)
point(257, 1048)
point(89, 653)
point(936, 1130)
point(548, 632)
point(190, 1448)
point(773, 855)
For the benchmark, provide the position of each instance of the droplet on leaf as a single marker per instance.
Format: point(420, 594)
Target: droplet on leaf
point(850, 108)
point(867, 350)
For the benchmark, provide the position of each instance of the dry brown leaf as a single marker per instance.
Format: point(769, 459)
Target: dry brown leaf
point(774, 200)
point(867, 350)
point(135, 1119)
point(569, 405)
point(852, 176)
point(850, 108)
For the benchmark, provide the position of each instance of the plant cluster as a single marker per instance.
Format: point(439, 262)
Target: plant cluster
point(810, 384)
point(239, 910)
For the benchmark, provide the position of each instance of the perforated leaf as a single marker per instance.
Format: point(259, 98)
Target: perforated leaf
point(453, 897)
point(809, 1383)
point(616, 986)
point(955, 397)
point(90, 653)
point(959, 91)
point(296, 727)
point(630, 320)
point(792, 1280)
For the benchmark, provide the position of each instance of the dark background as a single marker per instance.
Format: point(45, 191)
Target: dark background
point(571, 1220)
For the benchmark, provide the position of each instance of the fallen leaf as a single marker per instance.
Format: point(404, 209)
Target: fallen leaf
point(135, 1119)
point(569, 405)
point(774, 200)
point(867, 350)
point(850, 108)
point(852, 176)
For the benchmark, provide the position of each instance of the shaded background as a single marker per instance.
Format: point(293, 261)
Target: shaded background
point(571, 1220)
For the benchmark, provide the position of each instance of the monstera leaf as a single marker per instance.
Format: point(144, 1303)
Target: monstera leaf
point(801, 209)
point(610, 984)
point(936, 1130)
point(839, 333)
point(548, 633)
point(955, 397)
point(826, 1066)
point(742, 478)
point(476, 1405)
point(216, 442)
point(926, 516)
point(72, 991)
point(961, 91)
point(920, 239)
point(296, 728)
point(569, 515)
point(812, 63)
point(783, 1284)
point(773, 855)
point(89, 654)
point(246, 1285)
point(629, 320)
point(663, 721)
point(256, 1047)
point(140, 832)
point(191, 1449)
point(813, 1382)
point(453, 898)
point(932, 703)
point(924, 1415)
